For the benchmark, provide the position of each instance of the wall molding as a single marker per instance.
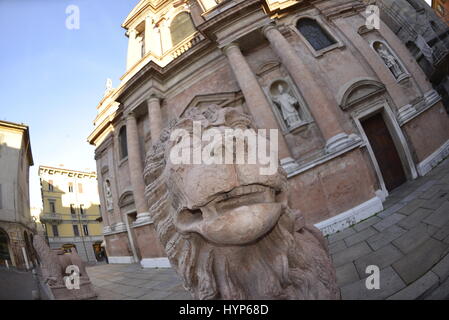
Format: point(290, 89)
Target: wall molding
point(352, 216)
point(324, 158)
point(154, 263)
point(425, 166)
point(411, 111)
point(121, 260)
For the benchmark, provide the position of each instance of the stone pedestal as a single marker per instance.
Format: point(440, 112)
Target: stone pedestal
point(151, 251)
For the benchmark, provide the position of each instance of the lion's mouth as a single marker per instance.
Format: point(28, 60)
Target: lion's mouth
point(238, 216)
point(244, 196)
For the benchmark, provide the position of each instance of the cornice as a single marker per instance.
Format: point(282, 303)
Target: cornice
point(227, 15)
point(82, 174)
point(330, 11)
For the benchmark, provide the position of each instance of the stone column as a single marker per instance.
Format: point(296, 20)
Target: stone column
point(323, 109)
point(133, 48)
point(136, 170)
point(165, 36)
point(195, 12)
point(255, 98)
point(149, 34)
point(155, 117)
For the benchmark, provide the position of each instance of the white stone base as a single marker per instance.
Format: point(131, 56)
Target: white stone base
point(405, 113)
point(154, 263)
point(142, 219)
point(432, 161)
point(119, 227)
point(289, 165)
point(351, 217)
point(121, 260)
point(340, 142)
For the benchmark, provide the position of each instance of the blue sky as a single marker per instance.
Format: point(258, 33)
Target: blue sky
point(52, 78)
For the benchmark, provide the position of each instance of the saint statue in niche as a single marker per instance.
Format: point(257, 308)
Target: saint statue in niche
point(389, 59)
point(108, 195)
point(286, 103)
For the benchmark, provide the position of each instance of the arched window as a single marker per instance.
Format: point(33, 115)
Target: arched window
point(315, 34)
point(181, 27)
point(4, 247)
point(123, 143)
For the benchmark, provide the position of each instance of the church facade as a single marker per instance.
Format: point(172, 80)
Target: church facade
point(356, 114)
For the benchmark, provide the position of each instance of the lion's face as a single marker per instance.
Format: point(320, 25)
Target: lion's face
point(214, 219)
point(227, 204)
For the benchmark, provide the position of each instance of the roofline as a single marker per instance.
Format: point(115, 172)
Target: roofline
point(93, 173)
point(20, 126)
point(26, 132)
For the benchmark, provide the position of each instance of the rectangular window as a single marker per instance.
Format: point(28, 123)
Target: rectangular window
point(80, 188)
point(55, 230)
point(82, 209)
point(72, 209)
point(50, 185)
point(76, 231)
point(70, 187)
point(86, 230)
point(52, 206)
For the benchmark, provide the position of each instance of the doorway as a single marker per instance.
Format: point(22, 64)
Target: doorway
point(4, 248)
point(385, 151)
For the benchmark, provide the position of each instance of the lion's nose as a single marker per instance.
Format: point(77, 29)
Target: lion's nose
point(188, 220)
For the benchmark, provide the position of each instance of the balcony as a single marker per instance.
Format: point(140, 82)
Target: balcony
point(79, 217)
point(185, 45)
point(166, 58)
point(51, 218)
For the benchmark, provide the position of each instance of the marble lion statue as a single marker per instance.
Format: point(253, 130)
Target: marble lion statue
point(52, 269)
point(228, 230)
point(55, 262)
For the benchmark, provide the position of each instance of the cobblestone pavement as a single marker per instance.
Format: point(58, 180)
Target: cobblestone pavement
point(131, 282)
point(408, 241)
point(16, 285)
